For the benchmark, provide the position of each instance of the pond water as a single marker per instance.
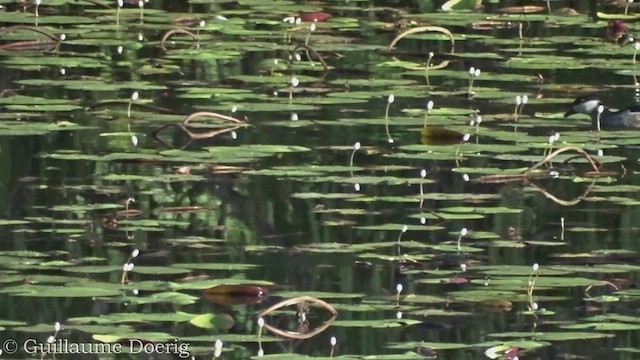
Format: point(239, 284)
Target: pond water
point(316, 167)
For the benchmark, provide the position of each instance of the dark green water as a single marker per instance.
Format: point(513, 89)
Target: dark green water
point(291, 212)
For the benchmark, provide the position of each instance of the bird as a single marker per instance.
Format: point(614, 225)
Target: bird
point(628, 117)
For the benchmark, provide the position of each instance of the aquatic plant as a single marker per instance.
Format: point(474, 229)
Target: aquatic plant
point(217, 349)
point(133, 98)
point(553, 138)
point(423, 174)
point(426, 114)
point(390, 101)
point(356, 147)
point(141, 6)
point(333, 343)
point(52, 338)
point(477, 123)
point(260, 327)
point(293, 21)
point(128, 266)
point(119, 5)
point(201, 25)
point(426, 69)
point(463, 233)
point(626, 7)
point(38, 2)
point(312, 28)
point(600, 110)
point(294, 82)
point(473, 74)
point(398, 292)
point(521, 101)
point(404, 230)
point(465, 138)
point(525, 100)
point(531, 283)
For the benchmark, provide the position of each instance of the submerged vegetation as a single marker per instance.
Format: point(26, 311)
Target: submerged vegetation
point(333, 179)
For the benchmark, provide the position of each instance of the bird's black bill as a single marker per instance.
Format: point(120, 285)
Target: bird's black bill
point(569, 113)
